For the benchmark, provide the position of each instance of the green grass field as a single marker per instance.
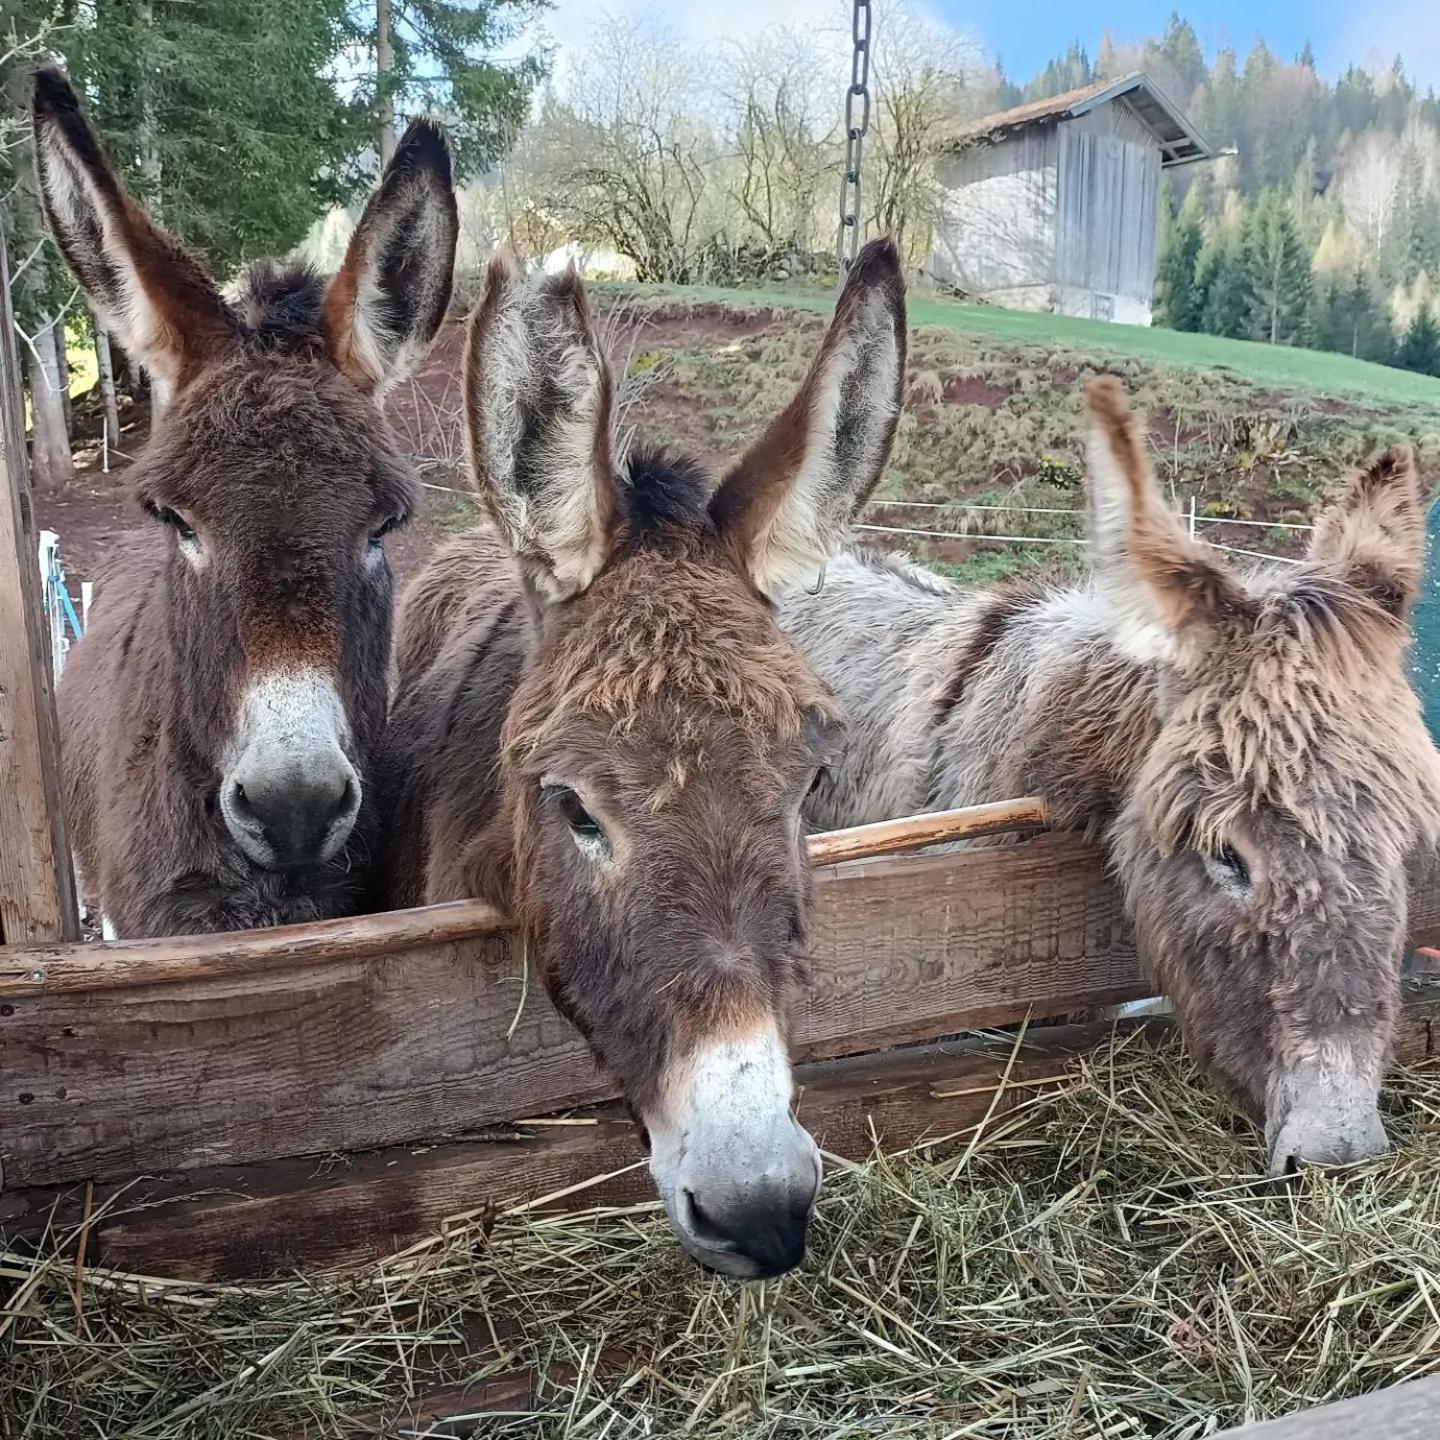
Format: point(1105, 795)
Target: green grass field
point(1282, 367)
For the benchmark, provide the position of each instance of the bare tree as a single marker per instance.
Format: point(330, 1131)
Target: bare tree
point(105, 364)
point(784, 133)
point(918, 73)
point(631, 148)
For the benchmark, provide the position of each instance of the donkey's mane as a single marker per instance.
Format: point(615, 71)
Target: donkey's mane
point(280, 304)
point(665, 491)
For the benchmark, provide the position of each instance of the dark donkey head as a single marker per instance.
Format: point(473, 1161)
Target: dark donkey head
point(1265, 839)
point(273, 470)
point(665, 733)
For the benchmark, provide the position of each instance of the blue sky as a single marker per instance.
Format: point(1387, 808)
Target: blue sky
point(1025, 33)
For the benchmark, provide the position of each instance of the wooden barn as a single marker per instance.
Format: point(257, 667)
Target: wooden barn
point(1055, 205)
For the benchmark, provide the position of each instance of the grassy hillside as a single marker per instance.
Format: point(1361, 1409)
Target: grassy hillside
point(1282, 367)
point(1254, 434)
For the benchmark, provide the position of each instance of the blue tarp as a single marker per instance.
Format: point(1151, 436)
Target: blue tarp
point(1426, 653)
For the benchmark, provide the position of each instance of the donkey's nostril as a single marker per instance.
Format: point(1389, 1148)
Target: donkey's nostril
point(703, 1228)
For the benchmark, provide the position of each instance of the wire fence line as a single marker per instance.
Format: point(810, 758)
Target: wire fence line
point(1192, 518)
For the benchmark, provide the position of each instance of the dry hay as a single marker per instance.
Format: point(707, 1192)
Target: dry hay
point(1099, 1264)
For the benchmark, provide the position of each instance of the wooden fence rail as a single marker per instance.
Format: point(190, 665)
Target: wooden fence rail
point(46, 969)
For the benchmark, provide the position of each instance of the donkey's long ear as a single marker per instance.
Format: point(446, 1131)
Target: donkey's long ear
point(389, 295)
point(1157, 583)
point(786, 504)
point(537, 407)
point(158, 302)
point(1375, 535)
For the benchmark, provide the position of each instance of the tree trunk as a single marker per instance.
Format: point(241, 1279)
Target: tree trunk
point(384, 67)
point(53, 465)
point(62, 366)
point(105, 362)
point(148, 130)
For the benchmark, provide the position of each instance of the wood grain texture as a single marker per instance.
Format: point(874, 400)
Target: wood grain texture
point(363, 1053)
point(37, 885)
point(287, 1215)
point(426, 1044)
point(47, 969)
point(39, 969)
point(1400, 1412)
point(245, 1221)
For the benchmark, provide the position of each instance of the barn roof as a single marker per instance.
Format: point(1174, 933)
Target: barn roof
point(1179, 141)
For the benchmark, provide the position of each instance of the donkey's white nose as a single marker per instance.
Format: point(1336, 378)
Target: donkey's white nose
point(291, 797)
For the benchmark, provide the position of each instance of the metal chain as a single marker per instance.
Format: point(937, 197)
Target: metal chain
point(847, 240)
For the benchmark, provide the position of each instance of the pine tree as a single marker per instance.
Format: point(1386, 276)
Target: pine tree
point(442, 55)
point(1278, 270)
point(1176, 59)
point(1218, 105)
point(1222, 285)
point(1412, 238)
point(1420, 349)
point(221, 115)
point(1180, 301)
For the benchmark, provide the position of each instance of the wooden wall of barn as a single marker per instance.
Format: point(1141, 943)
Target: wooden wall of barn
point(995, 235)
point(1056, 217)
point(1108, 208)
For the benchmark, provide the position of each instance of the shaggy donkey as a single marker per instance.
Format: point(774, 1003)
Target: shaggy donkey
point(219, 717)
point(600, 726)
point(1248, 748)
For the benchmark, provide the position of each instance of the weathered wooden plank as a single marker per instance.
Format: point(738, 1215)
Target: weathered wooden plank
point(1400, 1412)
point(37, 885)
point(48, 969)
point(425, 1044)
point(288, 1214)
point(294, 1215)
point(378, 1051)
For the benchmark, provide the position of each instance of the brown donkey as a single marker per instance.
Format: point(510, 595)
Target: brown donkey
point(600, 726)
point(1248, 748)
point(219, 716)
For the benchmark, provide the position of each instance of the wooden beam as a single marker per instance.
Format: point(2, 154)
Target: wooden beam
point(246, 1221)
point(440, 1042)
point(54, 968)
point(37, 884)
point(288, 1215)
point(437, 1042)
point(1400, 1412)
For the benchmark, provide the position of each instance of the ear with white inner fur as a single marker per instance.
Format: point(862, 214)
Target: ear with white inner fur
point(1375, 536)
point(537, 407)
point(786, 505)
point(386, 301)
point(1157, 582)
point(153, 296)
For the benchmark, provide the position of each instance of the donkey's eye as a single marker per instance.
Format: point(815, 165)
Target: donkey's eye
point(380, 532)
point(822, 774)
point(583, 825)
point(1228, 870)
point(175, 520)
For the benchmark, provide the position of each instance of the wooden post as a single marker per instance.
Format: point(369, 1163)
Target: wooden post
point(37, 884)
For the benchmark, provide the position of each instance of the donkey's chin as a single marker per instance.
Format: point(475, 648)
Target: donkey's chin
point(260, 853)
